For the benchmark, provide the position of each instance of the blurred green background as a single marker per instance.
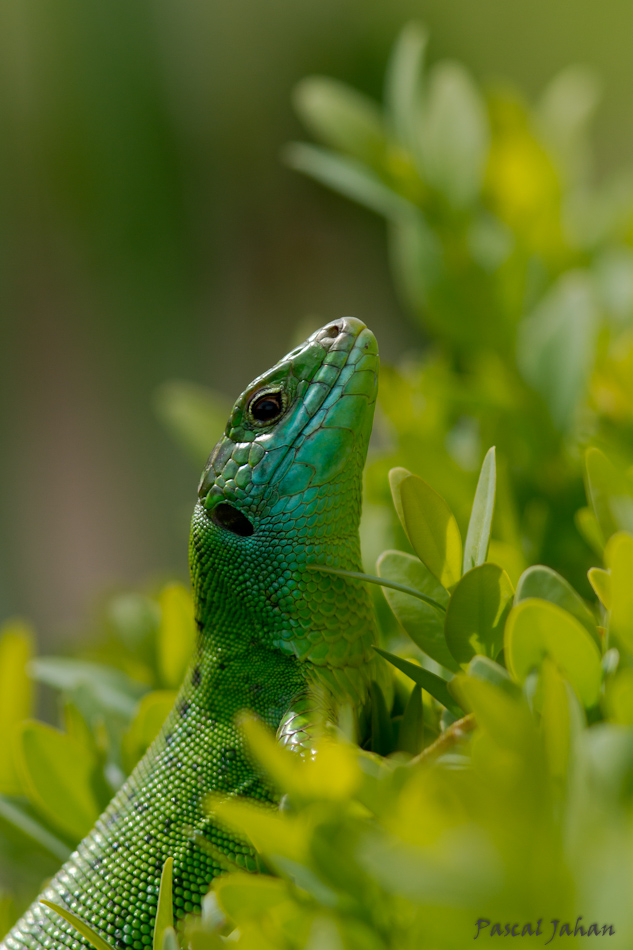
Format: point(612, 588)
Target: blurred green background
point(149, 231)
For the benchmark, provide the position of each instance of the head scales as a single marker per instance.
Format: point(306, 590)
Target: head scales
point(279, 495)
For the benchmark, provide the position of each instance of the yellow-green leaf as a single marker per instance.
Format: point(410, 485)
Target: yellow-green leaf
point(16, 695)
point(165, 907)
point(432, 529)
point(177, 633)
point(536, 629)
point(601, 582)
point(619, 697)
point(244, 896)
point(618, 557)
point(56, 773)
point(80, 925)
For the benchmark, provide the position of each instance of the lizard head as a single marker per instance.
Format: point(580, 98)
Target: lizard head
point(282, 490)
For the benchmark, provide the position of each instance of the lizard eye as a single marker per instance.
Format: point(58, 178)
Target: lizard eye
point(266, 407)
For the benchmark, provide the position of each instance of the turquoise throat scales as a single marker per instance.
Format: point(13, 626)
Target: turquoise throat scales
point(281, 491)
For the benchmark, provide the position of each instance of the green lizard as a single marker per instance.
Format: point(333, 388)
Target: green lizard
point(281, 491)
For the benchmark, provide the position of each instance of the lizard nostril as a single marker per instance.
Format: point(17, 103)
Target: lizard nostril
point(333, 330)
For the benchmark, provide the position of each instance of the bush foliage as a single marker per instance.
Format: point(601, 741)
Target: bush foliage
point(499, 787)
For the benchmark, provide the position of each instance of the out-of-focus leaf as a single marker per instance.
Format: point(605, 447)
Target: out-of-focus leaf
point(113, 690)
point(455, 134)
point(196, 416)
point(423, 623)
point(483, 668)
point(152, 711)
point(134, 619)
point(341, 117)
point(541, 581)
point(478, 534)
point(347, 176)
point(242, 896)
point(477, 612)
point(555, 719)
point(177, 633)
point(165, 908)
point(271, 833)
point(403, 85)
point(17, 815)
point(618, 557)
point(588, 527)
point(536, 629)
point(610, 493)
point(601, 582)
point(80, 925)
point(56, 773)
point(555, 346)
point(433, 684)
point(16, 695)
point(619, 697)
point(411, 733)
point(563, 114)
point(417, 258)
point(431, 528)
point(503, 716)
point(170, 940)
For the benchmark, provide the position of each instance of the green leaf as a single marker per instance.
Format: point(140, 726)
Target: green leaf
point(480, 524)
point(601, 583)
point(536, 629)
point(403, 86)
point(618, 556)
point(177, 633)
point(16, 695)
point(381, 728)
point(342, 117)
point(433, 684)
point(165, 907)
point(80, 925)
point(541, 581)
point(555, 346)
point(411, 733)
point(432, 529)
point(610, 493)
point(455, 134)
point(477, 613)
point(152, 711)
point(423, 623)
point(347, 176)
point(383, 582)
point(56, 773)
point(195, 416)
point(16, 814)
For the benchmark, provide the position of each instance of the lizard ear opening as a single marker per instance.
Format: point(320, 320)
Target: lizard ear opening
point(228, 517)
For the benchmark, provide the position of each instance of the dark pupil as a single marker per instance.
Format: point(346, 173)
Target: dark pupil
point(267, 407)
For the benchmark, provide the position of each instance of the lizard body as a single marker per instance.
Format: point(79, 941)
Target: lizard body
point(281, 491)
